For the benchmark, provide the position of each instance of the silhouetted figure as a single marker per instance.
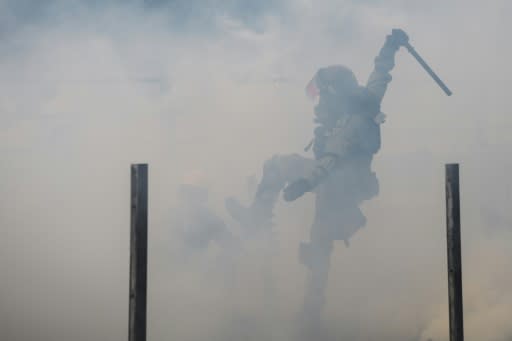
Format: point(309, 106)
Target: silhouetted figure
point(346, 137)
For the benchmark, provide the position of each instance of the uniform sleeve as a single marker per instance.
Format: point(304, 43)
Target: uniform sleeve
point(380, 76)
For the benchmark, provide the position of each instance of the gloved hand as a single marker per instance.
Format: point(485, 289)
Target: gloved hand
point(296, 189)
point(398, 37)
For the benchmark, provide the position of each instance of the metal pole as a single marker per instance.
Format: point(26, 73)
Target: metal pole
point(138, 252)
point(454, 252)
point(428, 69)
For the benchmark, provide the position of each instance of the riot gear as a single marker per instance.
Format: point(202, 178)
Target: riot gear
point(346, 137)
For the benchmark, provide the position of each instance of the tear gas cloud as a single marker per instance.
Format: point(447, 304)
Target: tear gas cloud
point(89, 87)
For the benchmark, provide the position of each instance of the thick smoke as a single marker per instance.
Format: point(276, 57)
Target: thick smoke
point(88, 87)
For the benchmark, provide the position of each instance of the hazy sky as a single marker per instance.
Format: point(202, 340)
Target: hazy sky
point(88, 87)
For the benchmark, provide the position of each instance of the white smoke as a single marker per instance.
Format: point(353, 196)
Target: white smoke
point(88, 88)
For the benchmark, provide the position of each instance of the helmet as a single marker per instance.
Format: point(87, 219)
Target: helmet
point(334, 80)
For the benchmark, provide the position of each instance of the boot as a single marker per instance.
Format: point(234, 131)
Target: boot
point(255, 217)
point(259, 214)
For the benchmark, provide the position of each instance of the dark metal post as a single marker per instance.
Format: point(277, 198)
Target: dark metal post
point(138, 252)
point(454, 252)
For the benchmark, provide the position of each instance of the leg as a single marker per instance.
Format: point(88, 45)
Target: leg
point(277, 172)
point(337, 217)
point(316, 256)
